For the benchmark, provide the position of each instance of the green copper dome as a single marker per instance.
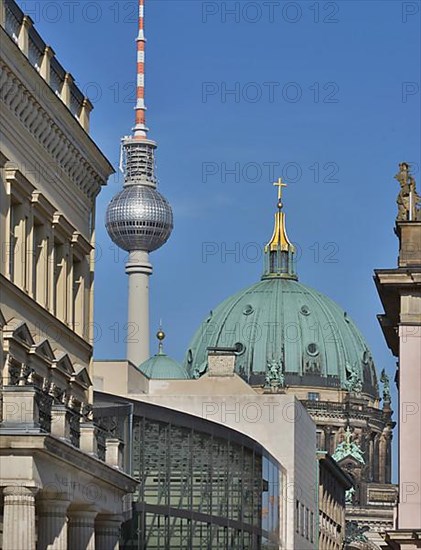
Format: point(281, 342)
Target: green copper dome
point(162, 367)
point(280, 320)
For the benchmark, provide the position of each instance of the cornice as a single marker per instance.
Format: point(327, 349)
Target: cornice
point(47, 119)
point(41, 443)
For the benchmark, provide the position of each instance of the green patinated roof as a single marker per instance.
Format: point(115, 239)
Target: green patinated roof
point(282, 320)
point(162, 367)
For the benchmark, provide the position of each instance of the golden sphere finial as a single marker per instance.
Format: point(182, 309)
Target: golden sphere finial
point(160, 335)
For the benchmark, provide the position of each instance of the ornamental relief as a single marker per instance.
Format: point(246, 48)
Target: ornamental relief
point(37, 121)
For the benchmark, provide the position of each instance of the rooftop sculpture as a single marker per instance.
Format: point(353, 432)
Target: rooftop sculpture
point(408, 201)
point(348, 448)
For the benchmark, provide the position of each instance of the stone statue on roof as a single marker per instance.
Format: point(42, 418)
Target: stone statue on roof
point(349, 496)
point(408, 201)
point(348, 448)
point(275, 377)
point(353, 382)
point(384, 379)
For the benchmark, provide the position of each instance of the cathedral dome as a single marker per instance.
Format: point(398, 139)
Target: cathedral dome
point(282, 320)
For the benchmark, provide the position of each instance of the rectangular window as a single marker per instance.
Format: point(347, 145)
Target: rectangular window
point(313, 396)
point(60, 282)
point(297, 516)
point(311, 527)
point(78, 292)
point(302, 521)
point(17, 245)
point(12, 240)
point(24, 258)
point(319, 441)
point(38, 269)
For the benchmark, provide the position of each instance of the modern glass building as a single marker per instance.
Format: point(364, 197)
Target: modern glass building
point(201, 485)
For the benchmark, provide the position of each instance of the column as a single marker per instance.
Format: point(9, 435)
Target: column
point(82, 528)
point(107, 532)
point(19, 518)
point(52, 522)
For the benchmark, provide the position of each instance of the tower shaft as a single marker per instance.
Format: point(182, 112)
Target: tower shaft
point(139, 270)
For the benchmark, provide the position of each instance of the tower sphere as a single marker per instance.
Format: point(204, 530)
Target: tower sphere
point(139, 218)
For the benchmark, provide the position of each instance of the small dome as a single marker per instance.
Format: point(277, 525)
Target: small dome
point(162, 367)
point(285, 321)
point(139, 218)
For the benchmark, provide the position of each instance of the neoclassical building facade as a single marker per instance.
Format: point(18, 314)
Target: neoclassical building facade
point(400, 293)
point(61, 481)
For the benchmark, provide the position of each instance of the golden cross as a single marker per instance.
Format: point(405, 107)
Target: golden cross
point(279, 184)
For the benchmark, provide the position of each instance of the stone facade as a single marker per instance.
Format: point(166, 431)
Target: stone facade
point(61, 486)
point(333, 484)
point(400, 293)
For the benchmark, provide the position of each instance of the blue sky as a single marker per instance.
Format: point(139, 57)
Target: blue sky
point(326, 94)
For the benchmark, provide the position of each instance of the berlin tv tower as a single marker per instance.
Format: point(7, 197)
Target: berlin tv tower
point(139, 219)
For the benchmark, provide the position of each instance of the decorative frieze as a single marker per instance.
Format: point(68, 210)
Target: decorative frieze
point(42, 127)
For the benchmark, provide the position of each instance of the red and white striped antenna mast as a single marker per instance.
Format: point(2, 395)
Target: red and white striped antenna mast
point(140, 129)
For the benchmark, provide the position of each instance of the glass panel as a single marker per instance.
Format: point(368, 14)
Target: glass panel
point(183, 470)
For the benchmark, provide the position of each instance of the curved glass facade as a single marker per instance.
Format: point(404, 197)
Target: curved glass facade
point(202, 486)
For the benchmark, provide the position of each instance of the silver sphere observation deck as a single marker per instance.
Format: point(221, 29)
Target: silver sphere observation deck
point(139, 217)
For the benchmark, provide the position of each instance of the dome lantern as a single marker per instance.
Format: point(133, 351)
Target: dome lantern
point(279, 252)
